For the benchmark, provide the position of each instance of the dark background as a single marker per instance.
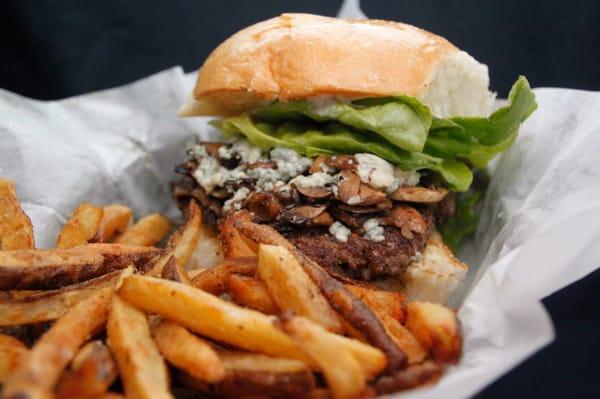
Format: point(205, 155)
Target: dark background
point(55, 49)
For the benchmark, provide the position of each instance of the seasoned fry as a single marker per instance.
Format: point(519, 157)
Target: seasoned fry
point(234, 246)
point(92, 372)
point(115, 221)
point(341, 369)
point(292, 289)
point(148, 231)
point(437, 329)
point(249, 374)
point(340, 298)
point(12, 353)
point(16, 231)
point(142, 369)
point(81, 227)
point(175, 271)
point(54, 268)
point(42, 367)
point(251, 293)
point(208, 315)
point(404, 339)
point(410, 377)
point(214, 279)
point(38, 306)
point(381, 302)
point(209, 251)
point(184, 240)
point(188, 352)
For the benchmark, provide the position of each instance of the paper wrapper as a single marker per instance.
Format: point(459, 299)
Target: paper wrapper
point(540, 221)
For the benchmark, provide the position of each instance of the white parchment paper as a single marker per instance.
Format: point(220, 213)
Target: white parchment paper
point(540, 222)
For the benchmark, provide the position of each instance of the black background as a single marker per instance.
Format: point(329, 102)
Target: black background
point(55, 49)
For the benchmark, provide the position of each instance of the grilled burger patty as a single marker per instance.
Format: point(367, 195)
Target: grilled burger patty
point(328, 207)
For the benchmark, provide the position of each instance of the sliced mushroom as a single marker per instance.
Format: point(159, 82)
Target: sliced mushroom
point(358, 209)
point(407, 219)
point(348, 187)
point(262, 164)
point(368, 196)
point(318, 163)
point(303, 213)
point(422, 195)
point(342, 162)
point(212, 148)
point(324, 219)
point(315, 192)
point(264, 206)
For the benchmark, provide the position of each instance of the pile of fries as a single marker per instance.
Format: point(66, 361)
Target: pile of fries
point(108, 314)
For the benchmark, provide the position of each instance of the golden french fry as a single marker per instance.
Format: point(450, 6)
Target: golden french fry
point(148, 231)
point(208, 315)
point(184, 240)
point(254, 375)
point(340, 367)
point(141, 367)
point(188, 352)
point(251, 293)
point(92, 372)
point(17, 308)
point(175, 271)
point(409, 377)
point(292, 289)
point(208, 252)
point(12, 353)
point(81, 227)
point(214, 279)
point(55, 268)
point(16, 231)
point(392, 303)
point(115, 221)
point(234, 246)
point(437, 329)
point(40, 370)
point(404, 339)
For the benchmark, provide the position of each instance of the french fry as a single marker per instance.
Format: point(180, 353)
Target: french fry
point(214, 279)
point(16, 231)
point(292, 289)
point(208, 252)
point(341, 369)
point(251, 293)
point(184, 240)
point(175, 271)
point(142, 369)
point(12, 353)
point(92, 372)
point(404, 339)
point(54, 268)
point(148, 231)
point(234, 246)
point(81, 227)
point(392, 303)
point(38, 306)
point(255, 375)
point(188, 352)
point(115, 221)
point(410, 377)
point(437, 329)
point(40, 370)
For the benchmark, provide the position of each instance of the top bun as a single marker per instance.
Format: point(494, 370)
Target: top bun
point(300, 56)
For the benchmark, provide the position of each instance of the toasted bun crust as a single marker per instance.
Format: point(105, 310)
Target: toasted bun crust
point(298, 56)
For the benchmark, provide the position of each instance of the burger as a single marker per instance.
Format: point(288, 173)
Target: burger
point(357, 140)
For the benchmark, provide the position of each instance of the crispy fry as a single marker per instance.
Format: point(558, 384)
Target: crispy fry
point(437, 329)
point(115, 221)
point(292, 289)
point(142, 369)
point(209, 251)
point(214, 279)
point(380, 301)
point(188, 352)
point(175, 271)
point(254, 375)
point(92, 372)
point(41, 369)
point(48, 269)
point(81, 227)
point(234, 246)
point(16, 231)
point(148, 231)
point(208, 315)
point(12, 353)
point(340, 298)
point(251, 293)
point(38, 306)
point(404, 339)
point(410, 377)
point(341, 369)
point(184, 240)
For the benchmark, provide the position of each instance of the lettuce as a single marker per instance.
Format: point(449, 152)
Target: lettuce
point(399, 129)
